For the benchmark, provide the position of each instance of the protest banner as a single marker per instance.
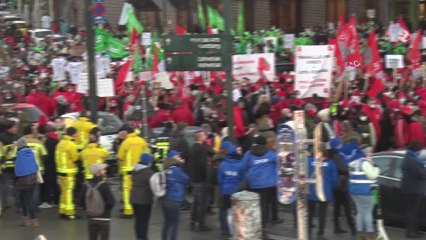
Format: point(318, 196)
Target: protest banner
point(104, 86)
point(254, 66)
point(314, 66)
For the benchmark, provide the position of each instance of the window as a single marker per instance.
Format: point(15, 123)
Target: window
point(385, 164)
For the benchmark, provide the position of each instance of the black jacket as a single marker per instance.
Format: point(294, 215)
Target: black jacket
point(141, 191)
point(413, 176)
point(179, 143)
point(106, 193)
point(199, 155)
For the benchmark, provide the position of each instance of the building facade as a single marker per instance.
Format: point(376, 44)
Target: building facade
point(289, 15)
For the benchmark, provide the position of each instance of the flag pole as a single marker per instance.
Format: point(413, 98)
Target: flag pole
point(90, 45)
point(229, 86)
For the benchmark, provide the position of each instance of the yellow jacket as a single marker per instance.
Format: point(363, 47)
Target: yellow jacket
point(83, 126)
point(66, 155)
point(130, 151)
point(93, 153)
point(39, 149)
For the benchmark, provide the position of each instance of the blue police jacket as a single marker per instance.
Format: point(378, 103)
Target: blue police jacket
point(230, 175)
point(262, 168)
point(176, 182)
point(330, 179)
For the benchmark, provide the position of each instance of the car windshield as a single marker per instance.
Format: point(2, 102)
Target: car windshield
point(109, 124)
point(59, 39)
point(42, 34)
point(20, 25)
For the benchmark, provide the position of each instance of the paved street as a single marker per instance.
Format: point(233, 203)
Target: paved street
point(56, 229)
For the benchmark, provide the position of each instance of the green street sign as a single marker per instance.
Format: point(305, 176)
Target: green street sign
point(198, 62)
point(200, 43)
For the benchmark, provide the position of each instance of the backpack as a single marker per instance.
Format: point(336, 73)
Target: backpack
point(158, 184)
point(95, 204)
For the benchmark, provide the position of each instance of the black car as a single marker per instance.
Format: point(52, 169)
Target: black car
point(392, 199)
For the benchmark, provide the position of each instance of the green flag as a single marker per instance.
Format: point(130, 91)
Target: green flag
point(240, 24)
point(116, 48)
point(137, 61)
point(212, 17)
point(220, 22)
point(150, 60)
point(101, 39)
point(201, 16)
point(133, 22)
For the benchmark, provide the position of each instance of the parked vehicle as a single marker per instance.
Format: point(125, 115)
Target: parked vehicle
point(32, 112)
point(393, 202)
point(38, 35)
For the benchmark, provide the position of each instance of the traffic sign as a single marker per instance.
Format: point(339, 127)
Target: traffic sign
point(99, 9)
point(99, 20)
point(198, 62)
point(200, 43)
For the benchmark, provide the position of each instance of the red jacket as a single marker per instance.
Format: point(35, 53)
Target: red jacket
point(239, 123)
point(416, 133)
point(401, 133)
point(183, 114)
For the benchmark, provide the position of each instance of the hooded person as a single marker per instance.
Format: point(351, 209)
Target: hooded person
point(176, 181)
point(261, 175)
point(141, 196)
point(26, 170)
point(230, 176)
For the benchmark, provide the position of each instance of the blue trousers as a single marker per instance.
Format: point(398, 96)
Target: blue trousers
point(171, 213)
point(364, 212)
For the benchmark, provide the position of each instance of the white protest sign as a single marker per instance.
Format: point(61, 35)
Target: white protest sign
point(350, 73)
point(424, 43)
point(83, 83)
point(254, 66)
point(289, 41)
point(130, 77)
point(393, 31)
point(418, 73)
point(145, 75)
point(314, 65)
point(394, 61)
point(371, 13)
point(105, 87)
point(146, 38)
point(163, 78)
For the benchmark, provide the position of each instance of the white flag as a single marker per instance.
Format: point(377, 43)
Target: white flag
point(124, 16)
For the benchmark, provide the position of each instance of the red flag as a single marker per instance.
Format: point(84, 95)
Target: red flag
point(376, 88)
point(414, 55)
point(354, 42)
point(404, 33)
point(122, 74)
point(155, 61)
point(375, 66)
point(133, 39)
point(339, 59)
point(180, 30)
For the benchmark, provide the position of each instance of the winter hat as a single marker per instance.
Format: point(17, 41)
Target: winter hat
point(260, 140)
point(228, 146)
point(146, 159)
point(172, 154)
point(181, 126)
point(21, 143)
point(95, 168)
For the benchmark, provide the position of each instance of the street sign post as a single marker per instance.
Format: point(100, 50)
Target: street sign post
point(197, 62)
point(199, 43)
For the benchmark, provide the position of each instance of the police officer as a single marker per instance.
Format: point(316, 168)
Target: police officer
point(66, 157)
point(129, 153)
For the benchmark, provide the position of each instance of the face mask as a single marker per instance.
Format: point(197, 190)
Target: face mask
point(363, 118)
